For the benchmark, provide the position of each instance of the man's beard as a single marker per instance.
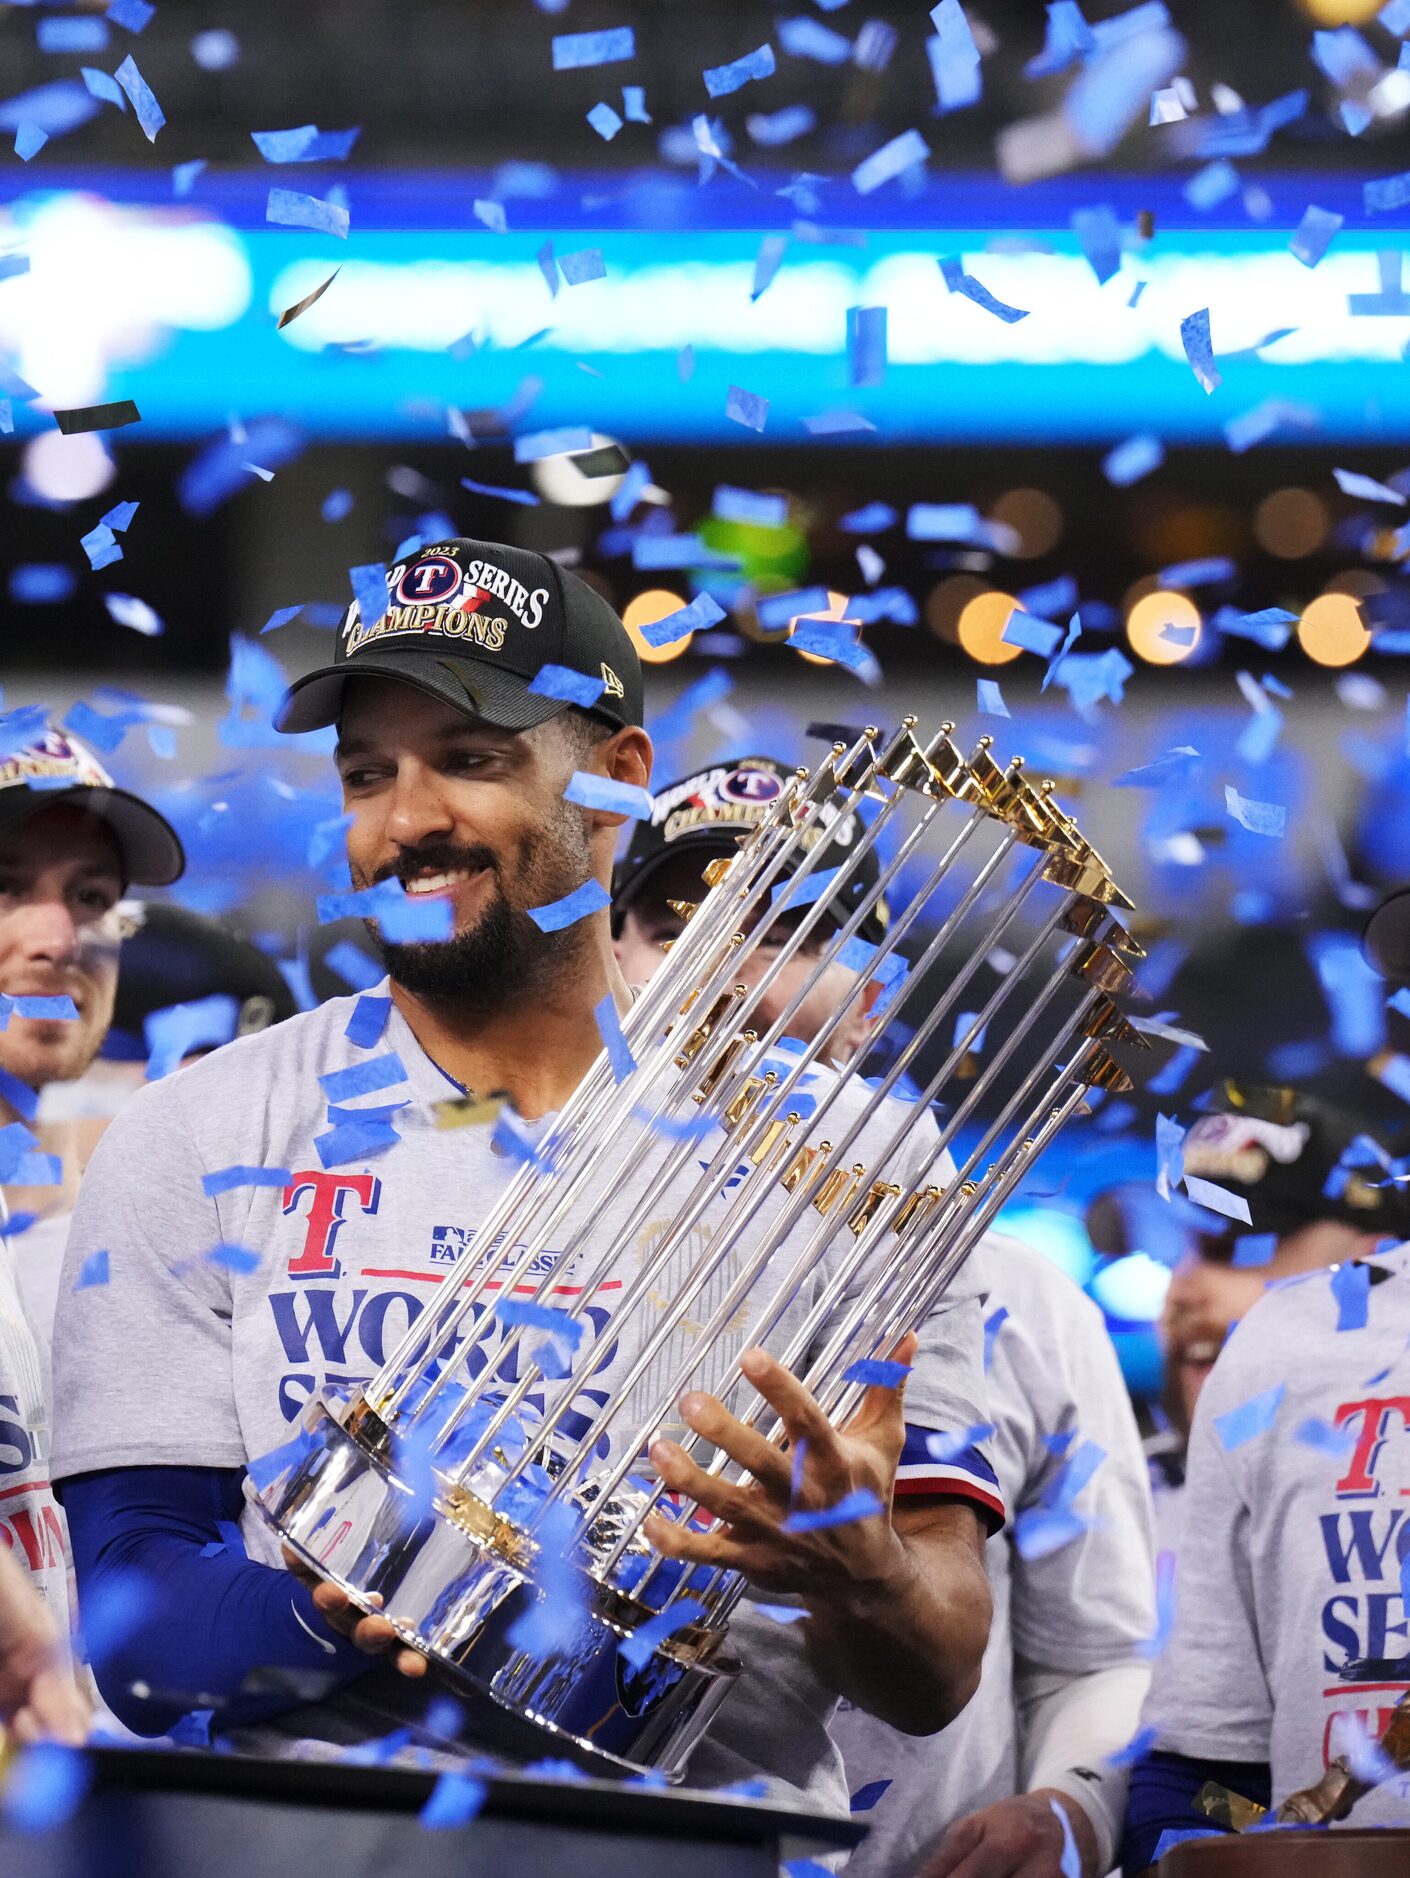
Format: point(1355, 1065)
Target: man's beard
point(503, 959)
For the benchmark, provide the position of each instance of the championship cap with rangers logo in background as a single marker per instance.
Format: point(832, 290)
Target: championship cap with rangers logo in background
point(707, 813)
point(51, 768)
point(474, 623)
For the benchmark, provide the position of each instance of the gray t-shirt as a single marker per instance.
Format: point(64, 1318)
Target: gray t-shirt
point(1054, 1384)
point(1290, 1613)
point(180, 1360)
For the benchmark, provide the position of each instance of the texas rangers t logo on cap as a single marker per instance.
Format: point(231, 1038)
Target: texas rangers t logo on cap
point(432, 578)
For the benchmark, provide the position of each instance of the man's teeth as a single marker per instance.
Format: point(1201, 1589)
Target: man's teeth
point(437, 883)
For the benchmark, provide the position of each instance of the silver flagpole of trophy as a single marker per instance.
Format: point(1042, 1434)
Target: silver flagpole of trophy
point(486, 1490)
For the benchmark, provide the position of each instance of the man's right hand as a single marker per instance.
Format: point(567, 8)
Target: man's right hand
point(373, 1635)
point(39, 1697)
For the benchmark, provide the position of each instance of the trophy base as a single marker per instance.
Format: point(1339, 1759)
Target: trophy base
point(453, 1586)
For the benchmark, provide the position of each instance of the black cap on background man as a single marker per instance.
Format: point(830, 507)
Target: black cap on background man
point(706, 814)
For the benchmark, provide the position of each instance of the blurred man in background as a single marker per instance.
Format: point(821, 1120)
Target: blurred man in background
point(1071, 1573)
point(70, 844)
point(1313, 1181)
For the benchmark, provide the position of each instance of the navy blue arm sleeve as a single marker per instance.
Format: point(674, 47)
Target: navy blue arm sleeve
point(1162, 1799)
point(164, 1611)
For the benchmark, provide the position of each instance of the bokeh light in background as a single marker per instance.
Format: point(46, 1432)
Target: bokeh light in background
point(1341, 12)
point(560, 479)
point(67, 469)
point(1034, 517)
point(1331, 632)
point(947, 600)
point(644, 610)
point(1291, 523)
point(1164, 627)
point(980, 629)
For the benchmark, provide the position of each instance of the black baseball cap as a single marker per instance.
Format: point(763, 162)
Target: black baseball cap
point(707, 813)
point(473, 623)
point(175, 956)
point(1292, 1156)
point(51, 767)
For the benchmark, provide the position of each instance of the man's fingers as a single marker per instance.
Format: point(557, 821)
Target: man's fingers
point(797, 1406)
point(708, 1416)
point(955, 1848)
point(673, 1540)
point(737, 1506)
point(59, 1707)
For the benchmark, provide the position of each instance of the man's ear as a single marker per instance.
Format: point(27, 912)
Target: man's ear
point(627, 756)
point(859, 1021)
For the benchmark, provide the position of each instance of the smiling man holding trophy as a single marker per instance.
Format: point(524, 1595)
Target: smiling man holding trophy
point(606, 1355)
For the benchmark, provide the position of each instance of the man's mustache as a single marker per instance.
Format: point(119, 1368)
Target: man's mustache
point(438, 858)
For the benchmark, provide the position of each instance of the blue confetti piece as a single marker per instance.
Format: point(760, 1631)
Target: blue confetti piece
point(1210, 186)
point(944, 1448)
point(609, 1026)
point(144, 106)
point(749, 506)
point(1132, 460)
point(378, 1072)
point(746, 408)
point(806, 38)
point(991, 698)
point(49, 1010)
point(1250, 1419)
point(835, 640)
point(353, 965)
point(572, 51)
point(676, 1128)
point(103, 85)
point(410, 921)
point(1204, 573)
point(1070, 1863)
point(1039, 1531)
point(524, 497)
point(185, 176)
point(1386, 193)
point(1260, 818)
point(368, 1021)
point(1098, 235)
point(561, 681)
point(634, 104)
point(307, 144)
point(866, 345)
point(21, 1097)
point(523, 1313)
point(29, 141)
point(992, 1326)
point(891, 160)
point(781, 1613)
point(369, 584)
point(1323, 1438)
point(44, 1787)
point(455, 1800)
point(355, 1141)
point(601, 792)
point(1254, 1248)
point(1314, 234)
point(95, 1270)
point(1033, 635)
point(228, 1256)
point(604, 120)
point(569, 440)
point(639, 1648)
point(1199, 348)
point(591, 897)
point(101, 546)
point(860, 1503)
point(227, 1179)
point(701, 613)
point(776, 610)
point(582, 265)
point(290, 208)
point(131, 15)
point(877, 1372)
point(721, 80)
point(1351, 1287)
point(865, 1798)
point(73, 33)
point(958, 281)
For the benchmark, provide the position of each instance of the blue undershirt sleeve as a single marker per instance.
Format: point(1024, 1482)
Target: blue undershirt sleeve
point(1162, 1799)
point(174, 1614)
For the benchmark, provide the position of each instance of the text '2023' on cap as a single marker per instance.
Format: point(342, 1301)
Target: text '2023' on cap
point(474, 623)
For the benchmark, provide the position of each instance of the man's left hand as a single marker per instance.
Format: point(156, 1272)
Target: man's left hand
point(1020, 1837)
point(830, 1565)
